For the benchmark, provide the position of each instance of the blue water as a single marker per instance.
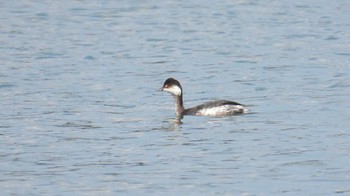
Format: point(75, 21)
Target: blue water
point(81, 115)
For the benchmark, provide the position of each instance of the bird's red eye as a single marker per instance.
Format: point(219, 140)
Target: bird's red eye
point(165, 86)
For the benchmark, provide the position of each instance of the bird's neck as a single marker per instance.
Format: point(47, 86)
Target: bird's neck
point(179, 107)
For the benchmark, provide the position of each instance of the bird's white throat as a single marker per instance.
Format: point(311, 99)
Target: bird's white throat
point(174, 89)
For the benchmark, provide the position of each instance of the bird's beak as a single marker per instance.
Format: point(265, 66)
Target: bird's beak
point(161, 89)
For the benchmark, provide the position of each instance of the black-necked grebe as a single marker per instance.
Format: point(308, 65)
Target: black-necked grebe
point(212, 108)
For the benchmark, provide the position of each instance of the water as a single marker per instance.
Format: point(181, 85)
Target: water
point(80, 114)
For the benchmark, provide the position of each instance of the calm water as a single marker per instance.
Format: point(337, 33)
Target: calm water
point(80, 114)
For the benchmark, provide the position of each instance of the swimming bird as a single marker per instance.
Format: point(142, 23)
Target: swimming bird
point(212, 108)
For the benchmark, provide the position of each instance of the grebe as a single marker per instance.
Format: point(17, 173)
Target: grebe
point(212, 108)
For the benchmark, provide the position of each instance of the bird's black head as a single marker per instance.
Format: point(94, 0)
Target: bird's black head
point(173, 86)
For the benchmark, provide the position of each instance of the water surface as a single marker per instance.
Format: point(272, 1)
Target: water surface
point(80, 114)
